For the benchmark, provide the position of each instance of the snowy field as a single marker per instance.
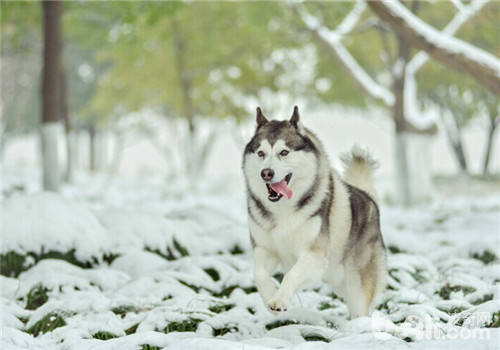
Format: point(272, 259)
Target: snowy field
point(128, 264)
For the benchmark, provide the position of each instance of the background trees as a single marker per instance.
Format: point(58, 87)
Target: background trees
point(195, 64)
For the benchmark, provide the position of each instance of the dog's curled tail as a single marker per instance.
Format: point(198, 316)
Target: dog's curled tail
point(359, 168)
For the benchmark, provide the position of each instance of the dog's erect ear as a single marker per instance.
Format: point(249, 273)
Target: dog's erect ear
point(295, 120)
point(295, 117)
point(261, 120)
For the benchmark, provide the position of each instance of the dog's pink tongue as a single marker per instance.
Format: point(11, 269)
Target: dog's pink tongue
point(282, 188)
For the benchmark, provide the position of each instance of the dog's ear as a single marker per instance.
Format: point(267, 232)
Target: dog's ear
point(261, 120)
point(295, 120)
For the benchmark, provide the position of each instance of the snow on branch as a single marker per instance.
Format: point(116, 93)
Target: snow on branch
point(332, 40)
point(412, 110)
point(455, 53)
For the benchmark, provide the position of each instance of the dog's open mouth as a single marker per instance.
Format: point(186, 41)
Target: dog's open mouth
point(279, 189)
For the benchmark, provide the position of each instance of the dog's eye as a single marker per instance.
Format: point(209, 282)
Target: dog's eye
point(284, 153)
point(261, 154)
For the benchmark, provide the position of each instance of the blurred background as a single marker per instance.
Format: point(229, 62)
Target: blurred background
point(168, 90)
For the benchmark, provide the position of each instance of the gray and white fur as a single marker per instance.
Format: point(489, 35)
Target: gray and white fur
point(328, 230)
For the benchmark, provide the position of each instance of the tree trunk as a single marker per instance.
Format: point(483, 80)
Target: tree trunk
point(452, 52)
point(92, 148)
point(489, 144)
point(68, 129)
point(51, 93)
point(454, 138)
point(190, 147)
point(401, 154)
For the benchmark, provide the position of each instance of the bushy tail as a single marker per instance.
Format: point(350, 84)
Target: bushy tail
point(359, 168)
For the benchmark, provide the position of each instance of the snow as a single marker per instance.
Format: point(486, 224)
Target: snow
point(413, 111)
point(152, 284)
point(443, 39)
point(334, 39)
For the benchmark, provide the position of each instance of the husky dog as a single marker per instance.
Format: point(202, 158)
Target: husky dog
point(309, 220)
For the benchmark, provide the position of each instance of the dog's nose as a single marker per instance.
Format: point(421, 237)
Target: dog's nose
point(267, 174)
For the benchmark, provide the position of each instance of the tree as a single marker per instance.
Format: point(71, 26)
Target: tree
point(400, 66)
point(51, 93)
point(187, 65)
point(455, 53)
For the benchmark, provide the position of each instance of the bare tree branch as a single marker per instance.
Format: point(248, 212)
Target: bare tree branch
point(332, 40)
point(457, 54)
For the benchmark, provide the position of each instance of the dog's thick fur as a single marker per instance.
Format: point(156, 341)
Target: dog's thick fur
point(328, 230)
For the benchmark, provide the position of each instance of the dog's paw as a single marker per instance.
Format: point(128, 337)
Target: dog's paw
point(278, 303)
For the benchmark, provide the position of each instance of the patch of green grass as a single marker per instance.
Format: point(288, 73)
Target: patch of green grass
point(213, 273)
point(23, 319)
point(485, 298)
point(103, 335)
point(441, 219)
point(37, 296)
point(132, 329)
point(251, 310)
point(315, 337)
point(13, 263)
point(418, 276)
point(226, 292)
point(122, 310)
point(216, 332)
point(325, 305)
point(395, 249)
point(280, 323)
point(48, 323)
point(236, 250)
point(149, 347)
point(189, 325)
point(193, 287)
point(447, 289)
point(172, 253)
point(486, 257)
point(453, 311)
point(218, 308)
point(278, 277)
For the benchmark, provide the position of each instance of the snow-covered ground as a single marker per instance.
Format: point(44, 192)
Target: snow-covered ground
point(155, 265)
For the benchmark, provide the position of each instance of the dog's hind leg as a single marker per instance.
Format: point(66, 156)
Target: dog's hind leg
point(355, 295)
point(373, 279)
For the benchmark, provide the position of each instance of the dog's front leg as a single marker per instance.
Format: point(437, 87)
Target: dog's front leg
point(310, 267)
point(265, 264)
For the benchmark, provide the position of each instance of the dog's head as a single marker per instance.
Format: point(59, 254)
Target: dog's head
point(280, 158)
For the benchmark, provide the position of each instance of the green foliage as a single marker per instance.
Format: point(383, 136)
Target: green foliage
point(149, 347)
point(37, 296)
point(315, 337)
point(280, 323)
point(486, 257)
point(447, 289)
point(123, 310)
point(48, 323)
point(395, 249)
point(214, 275)
point(189, 325)
point(132, 329)
point(172, 253)
point(103, 335)
point(216, 332)
point(218, 308)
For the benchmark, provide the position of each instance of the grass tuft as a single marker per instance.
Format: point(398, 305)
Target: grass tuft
point(486, 257)
point(189, 325)
point(50, 322)
point(103, 335)
point(36, 297)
